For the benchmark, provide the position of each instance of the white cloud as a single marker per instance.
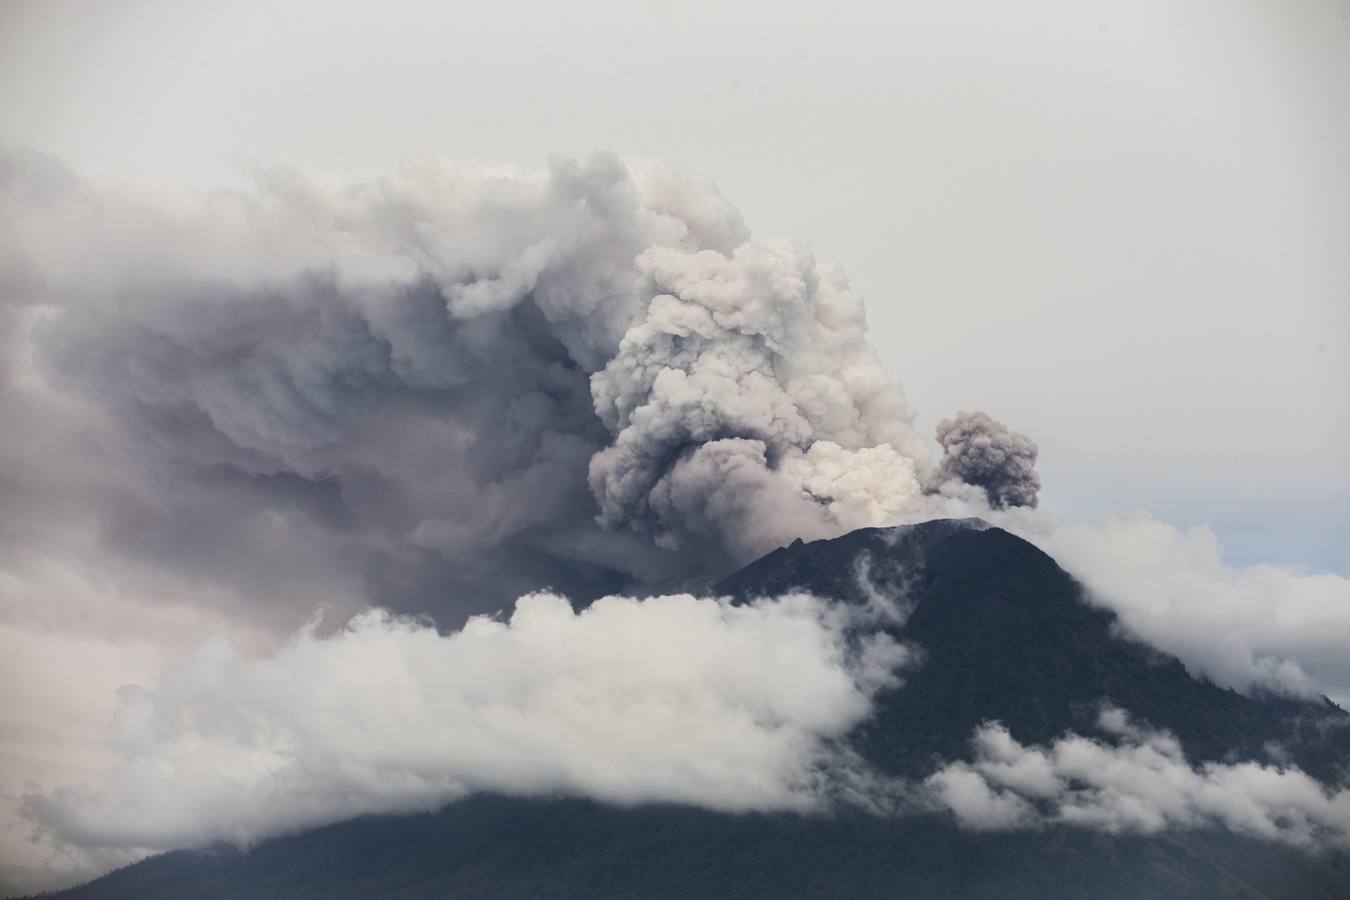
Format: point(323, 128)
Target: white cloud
point(1141, 784)
point(1241, 626)
point(1248, 627)
point(673, 699)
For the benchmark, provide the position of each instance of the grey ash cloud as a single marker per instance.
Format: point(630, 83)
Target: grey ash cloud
point(982, 451)
point(436, 390)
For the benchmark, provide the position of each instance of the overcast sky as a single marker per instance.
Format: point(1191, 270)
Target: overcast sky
point(1122, 227)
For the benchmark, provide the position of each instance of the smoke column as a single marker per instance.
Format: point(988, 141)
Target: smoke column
point(983, 452)
point(458, 382)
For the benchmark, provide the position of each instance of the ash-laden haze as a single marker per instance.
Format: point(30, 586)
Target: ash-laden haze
point(457, 381)
point(274, 459)
point(980, 451)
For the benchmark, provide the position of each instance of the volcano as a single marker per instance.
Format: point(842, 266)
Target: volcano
point(1004, 635)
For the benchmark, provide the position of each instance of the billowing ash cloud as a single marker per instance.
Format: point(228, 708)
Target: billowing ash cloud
point(457, 382)
point(981, 451)
point(672, 699)
point(1141, 783)
point(747, 406)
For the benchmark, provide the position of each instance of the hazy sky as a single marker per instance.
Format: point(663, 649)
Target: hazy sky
point(1120, 227)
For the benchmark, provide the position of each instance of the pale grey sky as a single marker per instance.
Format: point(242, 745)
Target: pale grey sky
point(1122, 227)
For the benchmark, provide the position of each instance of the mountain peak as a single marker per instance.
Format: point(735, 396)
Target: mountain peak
point(1006, 634)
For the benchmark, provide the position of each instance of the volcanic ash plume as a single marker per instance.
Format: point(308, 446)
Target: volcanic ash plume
point(452, 382)
point(747, 406)
point(980, 451)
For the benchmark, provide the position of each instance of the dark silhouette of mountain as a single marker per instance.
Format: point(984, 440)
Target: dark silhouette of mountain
point(1005, 634)
point(495, 847)
point(1008, 635)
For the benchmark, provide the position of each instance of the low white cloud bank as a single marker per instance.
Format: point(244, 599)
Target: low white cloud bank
point(670, 699)
point(1140, 784)
point(673, 699)
point(1243, 627)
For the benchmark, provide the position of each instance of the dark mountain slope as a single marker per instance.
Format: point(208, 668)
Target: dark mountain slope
point(1005, 634)
point(494, 847)
point(1008, 635)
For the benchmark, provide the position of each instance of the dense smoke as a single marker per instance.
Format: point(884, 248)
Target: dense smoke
point(747, 406)
point(460, 383)
point(980, 451)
